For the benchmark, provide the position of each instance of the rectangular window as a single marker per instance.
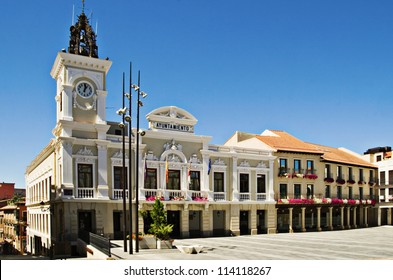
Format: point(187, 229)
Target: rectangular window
point(328, 173)
point(390, 177)
point(361, 178)
point(283, 167)
point(218, 182)
point(371, 193)
point(244, 183)
point(85, 175)
point(117, 179)
point(360, 192)
point(297, 191)
point(382, 175)
point(327, 191)
point(151, 179)
point(283, 191)
point(350, 193)
point(173, 180)
point(310, 191)
point(372, 179)
point(339, 192)
point(297, 166)
point(339, 172)
point(350, 174)
point(261, 183)
point(310, 167)
point(195, 184)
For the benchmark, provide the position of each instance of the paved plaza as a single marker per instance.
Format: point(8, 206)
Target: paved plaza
point(358, 244)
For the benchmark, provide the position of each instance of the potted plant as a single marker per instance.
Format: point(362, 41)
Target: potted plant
point(160, 227)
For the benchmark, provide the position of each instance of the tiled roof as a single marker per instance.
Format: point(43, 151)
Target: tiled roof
point(341, 156)
point(283, 141)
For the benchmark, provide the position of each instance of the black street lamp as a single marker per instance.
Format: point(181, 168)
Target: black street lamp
point(137, 88)
point(122, 112)
point(128, 118)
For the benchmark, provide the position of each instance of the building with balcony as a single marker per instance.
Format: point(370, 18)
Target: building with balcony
point(13, 222)
point(382, 157)
point(316, 187)
point(75, 184)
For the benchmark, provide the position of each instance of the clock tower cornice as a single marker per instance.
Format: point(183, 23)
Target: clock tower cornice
point(78, 61)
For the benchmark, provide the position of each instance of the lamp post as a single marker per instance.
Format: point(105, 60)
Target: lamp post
point(122, 112)
point(139, 104)
point(128, 118)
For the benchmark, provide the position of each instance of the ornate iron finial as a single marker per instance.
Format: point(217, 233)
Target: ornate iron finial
point(83, 38)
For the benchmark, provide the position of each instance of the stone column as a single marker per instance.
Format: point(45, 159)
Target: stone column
point(389, 216)
point(101, 104)
point(185, 222)
point(303, 219)
point(290, 220)
point(319, 219)
point(354, 217)
point(102, 187)
point(235, 186)
point(330, 225)
point(270, 188)
point(342, 217)
point(348, 217)
point(235, 219)
point(67, 169)
point(365, 216)
point(379, 216)
point(253, 221)
point(67, 102)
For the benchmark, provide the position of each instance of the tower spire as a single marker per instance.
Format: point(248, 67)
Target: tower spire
point(83, 38)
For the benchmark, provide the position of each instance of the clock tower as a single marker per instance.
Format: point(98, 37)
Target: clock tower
point(81, 126)
point(81, 84)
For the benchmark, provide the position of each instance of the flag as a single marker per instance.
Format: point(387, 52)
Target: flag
point(189, 174)
point(166, 171)
point(209, 166)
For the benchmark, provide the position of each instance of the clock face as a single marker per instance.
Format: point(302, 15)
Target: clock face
point(84, 89)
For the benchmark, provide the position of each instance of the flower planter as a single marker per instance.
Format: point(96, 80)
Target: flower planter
point(147, 242)
point(164, 244)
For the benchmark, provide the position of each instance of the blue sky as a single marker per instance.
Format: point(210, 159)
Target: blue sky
point(320, 70)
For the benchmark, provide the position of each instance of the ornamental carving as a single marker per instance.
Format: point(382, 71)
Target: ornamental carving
point(85, 152)
point(173, 146)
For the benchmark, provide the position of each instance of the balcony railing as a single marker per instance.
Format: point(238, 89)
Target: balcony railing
point(118, 194)
point(86, 193)
point(261, 196)
point(219, 196)
point(244, 196)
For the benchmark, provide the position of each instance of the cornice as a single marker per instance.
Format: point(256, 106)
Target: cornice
point(80, 61)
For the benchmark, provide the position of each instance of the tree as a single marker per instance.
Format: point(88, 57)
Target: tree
point(15, 199)
point(160, 227)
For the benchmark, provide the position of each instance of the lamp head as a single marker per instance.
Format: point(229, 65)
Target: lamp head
point(121, 111)
point(121, 125)
point(127, 118)
point(135, 87)
point(144, 94)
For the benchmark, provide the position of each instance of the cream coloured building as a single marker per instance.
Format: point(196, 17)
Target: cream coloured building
point(316, 187)
point(74, 185)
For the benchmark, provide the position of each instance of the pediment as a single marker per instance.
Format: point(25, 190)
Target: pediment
point(171, 118)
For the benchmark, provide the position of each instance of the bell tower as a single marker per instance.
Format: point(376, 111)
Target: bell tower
point(81, 84)
point(82, 37)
